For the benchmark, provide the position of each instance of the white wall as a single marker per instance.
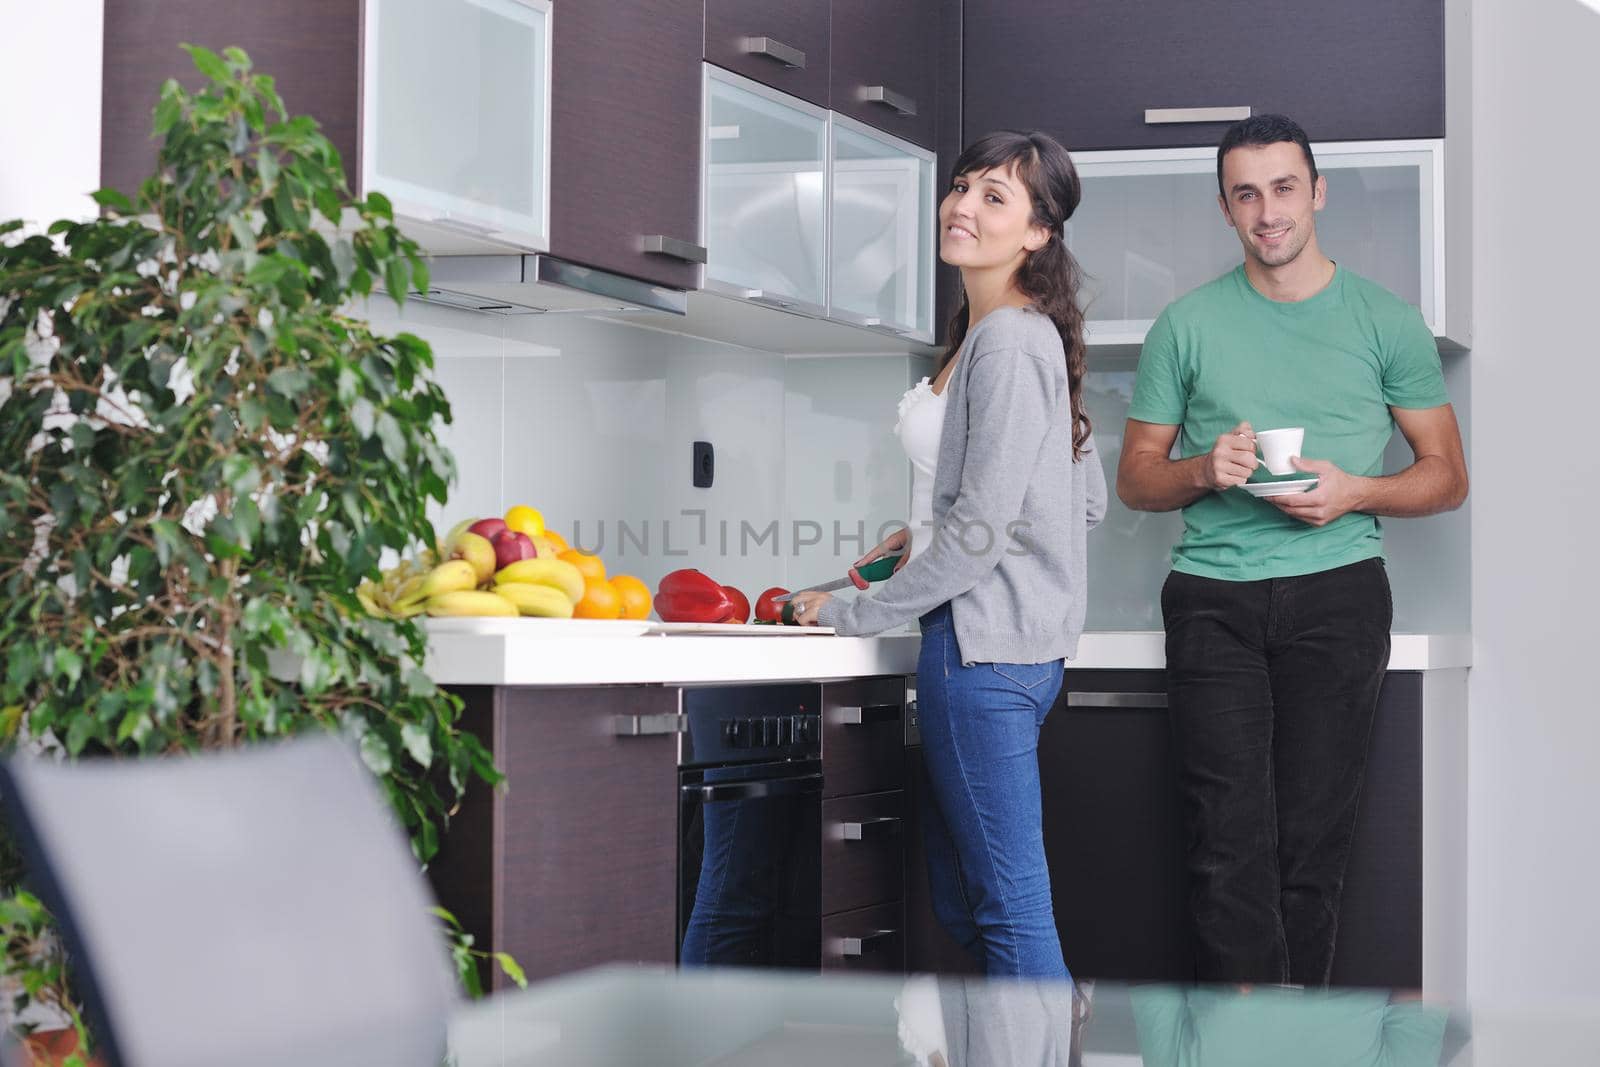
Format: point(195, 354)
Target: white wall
point(50, 119)
point(1534, 763)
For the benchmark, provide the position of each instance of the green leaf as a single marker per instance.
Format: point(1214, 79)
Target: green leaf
point(392, 438)
point(375, 754)
point(267, 167)
point(512, 969)
point(208, 62)
point(418, 743)
point(115, 200)
point(288, 382)
point(395, 279)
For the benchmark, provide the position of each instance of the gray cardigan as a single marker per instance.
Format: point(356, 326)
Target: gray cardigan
point(1011, 509)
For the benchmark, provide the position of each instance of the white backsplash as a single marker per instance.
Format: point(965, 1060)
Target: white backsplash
point(592, 421)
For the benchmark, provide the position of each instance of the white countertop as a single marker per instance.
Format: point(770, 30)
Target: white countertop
point(513, 659)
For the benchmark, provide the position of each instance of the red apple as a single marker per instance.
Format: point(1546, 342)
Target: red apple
point(510, 546)
point(490, 528)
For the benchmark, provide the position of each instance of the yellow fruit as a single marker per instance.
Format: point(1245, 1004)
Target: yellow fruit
point(635, 596)
point(557, 573)
point(451, 576)
point(600, 601)
point(555, 539)
point(368, 594)
point(477, 551)
point(469, 602)
point(526, 520)
point(448, 541)
point(539, 601)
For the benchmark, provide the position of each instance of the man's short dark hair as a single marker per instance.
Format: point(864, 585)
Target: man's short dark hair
point(1264, 130)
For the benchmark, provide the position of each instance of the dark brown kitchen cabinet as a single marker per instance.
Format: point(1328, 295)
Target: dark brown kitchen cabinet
point(625, 135)
point(863, 824)
point(781, 43)
point(311, 47)
point(1087, 72)
point(1114, 841)
point(1114, 838)
point(886, 65)
point(574, 862)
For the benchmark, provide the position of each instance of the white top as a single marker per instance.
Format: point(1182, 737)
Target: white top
point(920, 427)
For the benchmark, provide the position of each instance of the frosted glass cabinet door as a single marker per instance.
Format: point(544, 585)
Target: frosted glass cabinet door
point(456, 118)
point(882, 254)
point(766, 166)
point(1149, 228)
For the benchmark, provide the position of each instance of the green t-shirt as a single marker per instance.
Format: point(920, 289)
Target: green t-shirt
point(1334, 363)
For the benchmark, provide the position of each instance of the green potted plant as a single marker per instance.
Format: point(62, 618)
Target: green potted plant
point(202, 455)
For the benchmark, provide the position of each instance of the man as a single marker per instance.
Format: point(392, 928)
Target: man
point(1277, 610)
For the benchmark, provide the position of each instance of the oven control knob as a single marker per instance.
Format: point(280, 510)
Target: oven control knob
point(735, 733)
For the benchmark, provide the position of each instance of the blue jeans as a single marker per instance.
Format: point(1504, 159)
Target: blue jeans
point(982, 823)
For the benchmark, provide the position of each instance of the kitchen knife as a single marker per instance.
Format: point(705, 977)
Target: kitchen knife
point(861, 577)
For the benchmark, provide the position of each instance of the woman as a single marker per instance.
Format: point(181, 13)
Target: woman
point(1006, 484)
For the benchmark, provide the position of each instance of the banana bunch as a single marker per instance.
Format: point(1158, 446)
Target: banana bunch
point(395, 596)
point(541, 588)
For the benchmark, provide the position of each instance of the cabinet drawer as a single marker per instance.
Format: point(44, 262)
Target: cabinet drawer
point(863, 736)
point(869, 939)
point(863, 851)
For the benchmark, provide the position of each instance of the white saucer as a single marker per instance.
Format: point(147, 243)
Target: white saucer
point(1298, 485)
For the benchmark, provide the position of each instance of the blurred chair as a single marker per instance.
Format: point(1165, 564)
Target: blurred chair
point(259, 907)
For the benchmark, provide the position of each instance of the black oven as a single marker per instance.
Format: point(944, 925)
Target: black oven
point(749, 827)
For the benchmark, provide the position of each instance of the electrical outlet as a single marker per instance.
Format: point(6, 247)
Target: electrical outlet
point(705, 464)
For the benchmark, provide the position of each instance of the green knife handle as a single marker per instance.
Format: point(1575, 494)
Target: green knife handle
point(878, 569)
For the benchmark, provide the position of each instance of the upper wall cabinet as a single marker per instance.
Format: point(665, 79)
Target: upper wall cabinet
point(882, 246)
point(311, 47)
point(781, 43)
point(494, 125)
point(455, 126)
point(625, 137)
point(1106, 74)
point(766, 188)
point(813, 213)
point(1149, 228)
point(886, 66)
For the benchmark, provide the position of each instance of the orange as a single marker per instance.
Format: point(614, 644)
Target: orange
point(600, 601)
point(525, 520)
point(592, 569)
point(556, 539)
point(635, 596)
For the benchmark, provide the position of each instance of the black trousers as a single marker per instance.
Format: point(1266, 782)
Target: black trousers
point(1272, 687)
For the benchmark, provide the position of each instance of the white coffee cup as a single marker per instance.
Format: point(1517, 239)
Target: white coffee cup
point(1278, 445)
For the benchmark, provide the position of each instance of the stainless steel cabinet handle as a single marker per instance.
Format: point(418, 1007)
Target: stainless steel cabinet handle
point(869, 713)
point(788, 55)
point(462, 225)
point(671, 246)
point(860, 946)
point(756, 296)
point(882, 94)
point(650, 725)
point(871, 829)
point(1156, 116)
point(781, 787)
point(1116, 700)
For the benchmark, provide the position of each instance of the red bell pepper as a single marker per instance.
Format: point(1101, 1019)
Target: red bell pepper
point(689, 596)
point(740, 611)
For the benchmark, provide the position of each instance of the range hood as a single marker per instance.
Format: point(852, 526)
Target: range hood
point(540, 285)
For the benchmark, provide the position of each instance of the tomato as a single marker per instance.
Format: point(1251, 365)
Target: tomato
point(767, 608)
point(740, 611)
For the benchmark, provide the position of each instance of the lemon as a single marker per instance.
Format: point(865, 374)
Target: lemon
point(525, 520)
